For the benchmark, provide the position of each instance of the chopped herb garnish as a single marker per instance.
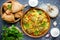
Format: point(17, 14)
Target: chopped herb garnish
point(43, 24)
point(36, 32)
point(39, 12)
point(26, 25)
point(9, 7)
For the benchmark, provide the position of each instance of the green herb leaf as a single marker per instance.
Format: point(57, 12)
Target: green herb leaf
point(39, 12)
point(13, 25)
point(3, 27)
point(43, 24)
point(36, 32)
point(9, 6)
point(26, 25)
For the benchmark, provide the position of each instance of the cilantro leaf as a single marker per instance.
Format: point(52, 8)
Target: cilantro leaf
point(36, 32)
point(43, 24)
point(26, 25)
point(39, 12)
point(9, 7)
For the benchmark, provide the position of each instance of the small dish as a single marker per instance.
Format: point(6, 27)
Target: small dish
point(33, 3)
point(55, 32)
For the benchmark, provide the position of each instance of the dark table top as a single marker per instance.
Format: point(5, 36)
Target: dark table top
point(54, 2)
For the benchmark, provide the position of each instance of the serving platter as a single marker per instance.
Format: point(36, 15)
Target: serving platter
point(32, 20)
point(54, 2)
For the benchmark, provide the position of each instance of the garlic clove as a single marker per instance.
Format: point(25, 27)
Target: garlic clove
point(54, 23)
point(48, 35)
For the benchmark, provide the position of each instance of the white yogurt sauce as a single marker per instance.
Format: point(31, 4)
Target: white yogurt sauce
point(54, 32)
point(33, 3)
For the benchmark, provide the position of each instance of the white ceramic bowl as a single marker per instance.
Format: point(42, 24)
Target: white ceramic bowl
point(33, 3)
point(55, 32)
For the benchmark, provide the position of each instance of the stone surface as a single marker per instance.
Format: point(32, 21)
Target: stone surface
point(54, 2)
